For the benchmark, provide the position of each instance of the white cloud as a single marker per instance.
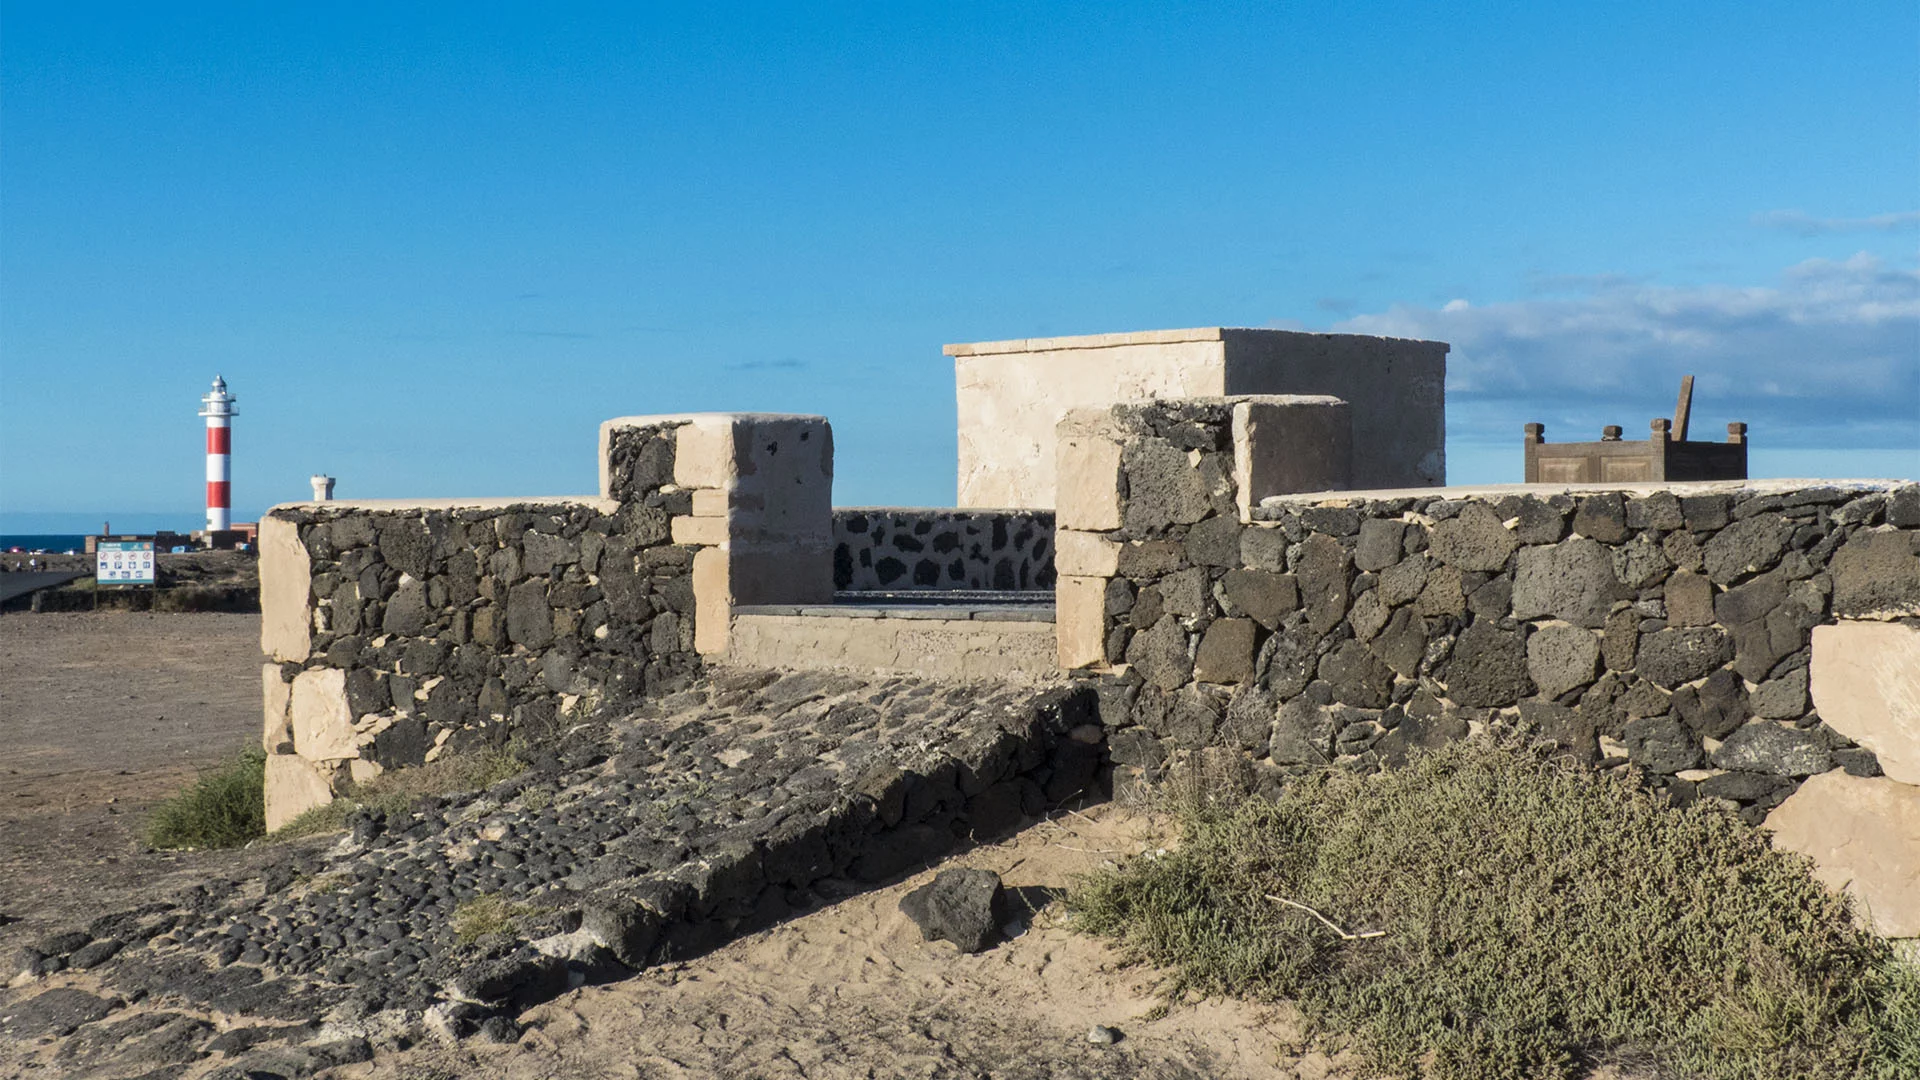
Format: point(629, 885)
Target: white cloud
point(1804, 224)
point(1828, 356)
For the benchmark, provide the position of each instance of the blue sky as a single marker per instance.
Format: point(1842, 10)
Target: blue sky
point(432, 246)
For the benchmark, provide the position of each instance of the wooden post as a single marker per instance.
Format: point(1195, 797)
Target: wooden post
point(1683, 410)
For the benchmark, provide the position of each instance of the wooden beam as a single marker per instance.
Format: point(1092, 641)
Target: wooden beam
point(1682, 410)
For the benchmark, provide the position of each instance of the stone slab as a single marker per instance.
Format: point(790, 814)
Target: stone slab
point(933, 648)
point(294, 786)
point(1866, 686)
point(1863, 835)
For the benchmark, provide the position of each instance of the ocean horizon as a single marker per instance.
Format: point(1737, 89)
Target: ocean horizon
point(56, 543)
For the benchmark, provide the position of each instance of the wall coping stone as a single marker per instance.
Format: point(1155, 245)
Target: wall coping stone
point(592, 502)
point(953, 612)
point(1024, 511)
point(1714, 487)
point(1139, 337)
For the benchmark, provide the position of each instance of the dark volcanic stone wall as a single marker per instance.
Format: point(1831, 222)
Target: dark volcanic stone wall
point(879, 548)
point(1667, 633)
point(466, 626)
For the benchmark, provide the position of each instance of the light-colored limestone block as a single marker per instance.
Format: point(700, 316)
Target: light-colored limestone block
point(286, 579)
point(1011, 393)
point(1288, 444)
point(294, 786)
point(710, 502)
point(936, 648)
point(1084, 554)
point(1080, 621)
point(711, 531)
point(276, 699)
point(703, 451)
point(1087, 463)
point(322, 723)
point(1863, 835)
point(712, 601)
point(1866, 686)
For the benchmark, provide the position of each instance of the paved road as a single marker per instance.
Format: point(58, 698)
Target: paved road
point(22, 582)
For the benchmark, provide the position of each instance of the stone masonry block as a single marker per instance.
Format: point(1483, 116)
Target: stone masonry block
point(1080, 621)
point(322, 721)
point(1877, 576)
point(1084, 554)
point(286, 617)
point(1866, 686)
point(1225, 654)
point(703, 452)
point(277, 701)
point(294, 786)
point(712, 600)
point(1087, 468)
point(1283, 444)
point(710, 531)
point(1863, 835)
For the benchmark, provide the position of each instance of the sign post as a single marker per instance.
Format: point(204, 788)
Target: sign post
point(123, 562)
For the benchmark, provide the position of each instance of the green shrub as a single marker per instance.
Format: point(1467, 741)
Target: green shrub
point(1500, 914)
point(396, 791)
point(225, 807)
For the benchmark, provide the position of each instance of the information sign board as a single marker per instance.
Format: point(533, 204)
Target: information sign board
point(124, 562)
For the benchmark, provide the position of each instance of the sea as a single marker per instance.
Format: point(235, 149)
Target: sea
point(49, 542)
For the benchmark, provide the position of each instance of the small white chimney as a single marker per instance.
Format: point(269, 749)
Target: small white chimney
point(322, 488)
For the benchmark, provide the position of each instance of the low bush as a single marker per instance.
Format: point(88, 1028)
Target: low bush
point(224, 807)
point(396, 791)
point(1487, 912)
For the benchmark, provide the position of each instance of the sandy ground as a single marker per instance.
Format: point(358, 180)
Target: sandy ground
point(102, 715)
point(851, 991)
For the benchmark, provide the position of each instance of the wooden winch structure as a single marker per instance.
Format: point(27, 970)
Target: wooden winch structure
point(1664, 455)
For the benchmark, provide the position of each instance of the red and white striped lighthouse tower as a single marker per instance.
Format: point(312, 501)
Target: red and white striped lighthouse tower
point(218, 408)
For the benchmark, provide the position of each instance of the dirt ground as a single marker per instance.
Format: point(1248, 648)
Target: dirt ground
point(102, 715)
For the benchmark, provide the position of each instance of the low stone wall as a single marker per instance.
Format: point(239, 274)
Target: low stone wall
point(889, 548)
point(396, 633)
point(1665, 630)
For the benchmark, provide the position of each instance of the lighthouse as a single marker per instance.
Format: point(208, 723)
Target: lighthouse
point(218, 408)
